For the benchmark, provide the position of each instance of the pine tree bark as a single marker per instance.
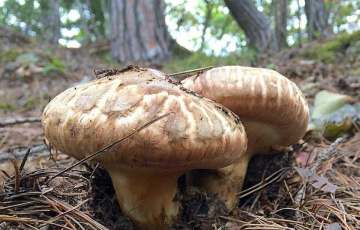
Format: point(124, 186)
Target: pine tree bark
point(50, 20)
point(138, 32)
point(281, 8)
point(317, 17)
point(209, 7)
point(105, 9)
point(254, 24)
point(298, 14)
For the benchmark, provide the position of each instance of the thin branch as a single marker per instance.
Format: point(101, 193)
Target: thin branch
point(188, 73)
point(5, 156)
point(17, 175)
point(24, 160)
point(19, 121)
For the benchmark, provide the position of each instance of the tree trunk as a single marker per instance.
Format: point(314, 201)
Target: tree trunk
point(209, 7)
point(254, 24)
point(50, 20)
point(138, 32)
point(317, 17)
point(281, 19)
point(105, 9)
point(84, 23)
point(298, 13)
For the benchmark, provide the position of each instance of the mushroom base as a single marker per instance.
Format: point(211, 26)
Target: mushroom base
point(146, 196)
point(226, 182)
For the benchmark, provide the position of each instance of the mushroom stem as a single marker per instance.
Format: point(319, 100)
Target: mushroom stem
point(146, 195)
point(226, 182)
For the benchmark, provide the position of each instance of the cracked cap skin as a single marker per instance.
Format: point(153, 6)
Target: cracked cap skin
point(197, 133)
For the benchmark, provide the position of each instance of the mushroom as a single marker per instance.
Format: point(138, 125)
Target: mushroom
point(197, 134)
point(273, 111)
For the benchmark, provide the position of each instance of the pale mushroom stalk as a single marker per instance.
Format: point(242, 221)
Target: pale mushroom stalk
point(197, 134)
point(271, 107)
point(147, 196)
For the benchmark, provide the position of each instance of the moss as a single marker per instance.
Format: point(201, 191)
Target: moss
point(327, 52)
point(32, 103)
point(9, 55)
point(356, 72)
point(5, 107)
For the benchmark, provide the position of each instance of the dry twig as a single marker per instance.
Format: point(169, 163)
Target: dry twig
point(19, 121)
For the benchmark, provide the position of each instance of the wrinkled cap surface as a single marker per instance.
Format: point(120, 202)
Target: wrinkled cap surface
point(259, 96)
point(198, 133)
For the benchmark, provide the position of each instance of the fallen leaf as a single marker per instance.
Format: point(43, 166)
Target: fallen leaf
point(333, 226)
point(303, 158)
point(337, 124)
point(319, 180)
point(327, 103)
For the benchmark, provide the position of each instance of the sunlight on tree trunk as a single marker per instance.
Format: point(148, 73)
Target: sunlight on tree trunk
point(317, 18)
point(84, 24)
point(254, 24)
point(281, 14)
point(138, 31)
point(209, 7)
point(50, 20)
point(298, 14)
point(105, 9)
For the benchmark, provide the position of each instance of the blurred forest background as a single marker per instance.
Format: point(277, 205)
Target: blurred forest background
point(158, 31)
point(52, 44)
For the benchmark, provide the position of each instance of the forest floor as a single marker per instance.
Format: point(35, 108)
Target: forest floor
point(316, 186)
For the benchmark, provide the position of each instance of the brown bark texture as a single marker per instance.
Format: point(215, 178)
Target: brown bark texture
point(298, 14)
point(317, 19)
point(138, 32)
point(281, 8)
point(254, 24)
point(50, 21)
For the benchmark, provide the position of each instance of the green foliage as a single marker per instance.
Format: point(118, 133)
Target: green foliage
point(271, 66)
point(27, 17)
point(107, 58)
point(184, 16)
point(56, 65)
point(32, 103)
point(5, 107)
point(9, 55)
point(220, 27)
point(327, 52)
point(199, 60)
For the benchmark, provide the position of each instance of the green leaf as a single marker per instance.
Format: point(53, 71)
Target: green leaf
point(333, 130)
point(338, 123)
point(327, 103)
point(49, 68)
point(271, 66)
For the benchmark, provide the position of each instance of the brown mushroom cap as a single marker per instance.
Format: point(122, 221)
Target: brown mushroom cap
point(197, 133)
point(272, 108)
point(260, 96)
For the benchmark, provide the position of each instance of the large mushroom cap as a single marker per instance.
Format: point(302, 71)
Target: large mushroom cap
point(260, 97)
point(198, 133)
